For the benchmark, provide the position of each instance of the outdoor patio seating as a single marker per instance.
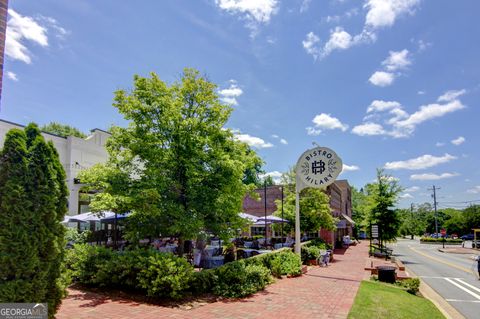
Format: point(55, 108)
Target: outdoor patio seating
point(241, 254)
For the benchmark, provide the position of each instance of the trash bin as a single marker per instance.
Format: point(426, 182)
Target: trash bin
point(386, 274)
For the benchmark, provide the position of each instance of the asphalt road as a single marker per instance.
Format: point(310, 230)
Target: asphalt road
point(452, 276)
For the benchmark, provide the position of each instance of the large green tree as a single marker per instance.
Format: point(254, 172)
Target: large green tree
point(62, 130)
point(33, 202)
point(184, 170)
point(384, 198)
point(315, 210)
point(18, 258)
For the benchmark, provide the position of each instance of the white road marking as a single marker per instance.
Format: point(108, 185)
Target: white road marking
point(433, 277)
point(457, 300)
point(463, 288)
point(467, 284)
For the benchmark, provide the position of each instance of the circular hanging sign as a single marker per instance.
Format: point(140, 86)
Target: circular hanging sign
point(318, 167)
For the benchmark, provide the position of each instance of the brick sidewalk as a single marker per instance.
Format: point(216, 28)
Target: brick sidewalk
point(321, 293)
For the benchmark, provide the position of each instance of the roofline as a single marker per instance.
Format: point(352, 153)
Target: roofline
point(13, 123)
point(98, 129)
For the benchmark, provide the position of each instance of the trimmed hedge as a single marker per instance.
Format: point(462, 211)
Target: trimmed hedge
point(158, 274)
point(310, 253)
point(236, 279)
point(440, 240)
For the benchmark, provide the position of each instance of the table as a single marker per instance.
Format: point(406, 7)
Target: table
point(210, 250)
point(168, 249)
point(248, 252)
point(213, 262)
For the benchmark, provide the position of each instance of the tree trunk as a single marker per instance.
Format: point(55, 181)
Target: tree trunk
point(181, 245)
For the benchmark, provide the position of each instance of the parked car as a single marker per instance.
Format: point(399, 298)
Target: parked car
point(467, 237)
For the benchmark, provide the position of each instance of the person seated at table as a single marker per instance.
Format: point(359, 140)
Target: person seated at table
point(255, 244)
point(289, 241)
point(157, 243)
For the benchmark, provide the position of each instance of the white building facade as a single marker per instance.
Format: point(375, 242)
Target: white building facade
point(75, 155)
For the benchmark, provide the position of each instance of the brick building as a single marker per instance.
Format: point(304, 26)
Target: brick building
point(340, 205)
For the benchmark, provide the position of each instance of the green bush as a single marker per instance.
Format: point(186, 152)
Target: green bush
point(412, 285)
point(236, 279)
point(203, 281)
point(85, 263)
point(157, 273)
point(123, 268)
point(310, 253)
point(73, 236)
point(287, 263)
point(440, 240)
point(165, 275)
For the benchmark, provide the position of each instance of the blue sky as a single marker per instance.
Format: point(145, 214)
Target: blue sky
point(384, 83)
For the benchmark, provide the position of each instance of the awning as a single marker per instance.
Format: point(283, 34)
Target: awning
point(250, 218)
point(348, 219)
point(272, 219)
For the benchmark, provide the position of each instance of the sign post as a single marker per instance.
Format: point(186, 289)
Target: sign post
point(317, 167)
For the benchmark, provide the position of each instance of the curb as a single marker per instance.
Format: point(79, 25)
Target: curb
point(445, 308)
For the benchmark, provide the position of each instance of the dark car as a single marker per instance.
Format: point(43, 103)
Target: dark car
point(467, 237)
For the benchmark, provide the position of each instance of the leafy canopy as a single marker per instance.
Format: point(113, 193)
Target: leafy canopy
point(175, 165)
point(314, 207)
point(62, 130)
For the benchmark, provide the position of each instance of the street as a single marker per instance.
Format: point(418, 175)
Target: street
point(452, 276)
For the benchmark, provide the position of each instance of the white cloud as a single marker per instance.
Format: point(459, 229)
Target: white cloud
point(397, 60)
point(439, 144)
point(310, 44)
point(422, 45)
point(474, 190)
point(282, 140)
point(253, 141)
point(451, 95)
point(349, 168)
point(458, 141)
point(255, 12)
point(276, 176)
point(230, 94)
point(305, 5)
point(339, 40)
point(383, 13)
point(405, 196)
point(421, 92)
point(379, 106)
point(432, 177)
point(313, 131)
point(403, 124)
point(422, 162)
point(19, 29)
point(381, 78)
point(428, 112)
point(325, 122)
point(12, 76)
point(368, 129)
point(412, 189)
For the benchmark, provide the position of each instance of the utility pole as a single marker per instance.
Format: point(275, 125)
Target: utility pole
point(434, 189)
point(411, 213)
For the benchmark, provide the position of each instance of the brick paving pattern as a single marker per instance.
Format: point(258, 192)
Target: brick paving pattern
point(324, 292)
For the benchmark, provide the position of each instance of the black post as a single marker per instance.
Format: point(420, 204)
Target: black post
point(115, 232)
point(282, 216)
point(265, 195)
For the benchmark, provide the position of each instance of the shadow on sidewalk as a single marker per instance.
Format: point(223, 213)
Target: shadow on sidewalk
point(334, 278)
